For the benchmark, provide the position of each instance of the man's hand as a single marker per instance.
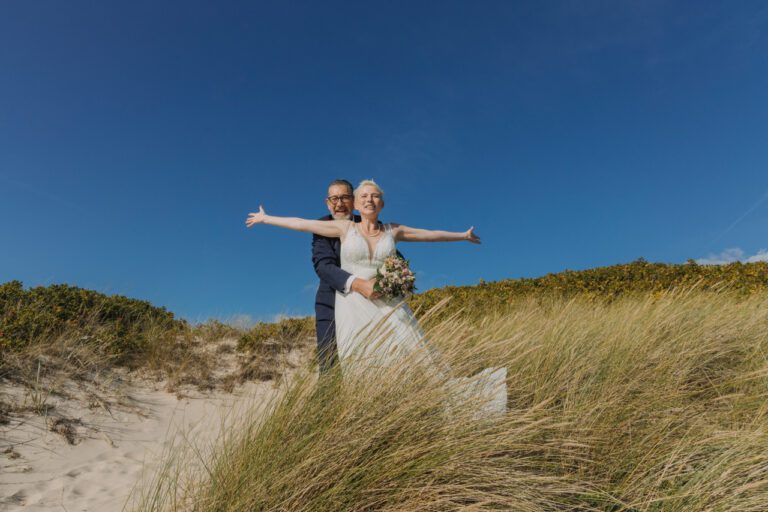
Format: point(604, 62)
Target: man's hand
point(365, 288)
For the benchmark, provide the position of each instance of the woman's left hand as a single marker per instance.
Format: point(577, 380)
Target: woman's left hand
point(256, 218)
point(471, 236)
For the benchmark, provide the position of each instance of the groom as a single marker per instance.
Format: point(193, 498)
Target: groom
point(327, 262)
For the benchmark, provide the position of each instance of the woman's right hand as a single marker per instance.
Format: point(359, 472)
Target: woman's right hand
point(256, 218)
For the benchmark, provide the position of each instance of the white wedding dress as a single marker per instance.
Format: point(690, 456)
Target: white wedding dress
point(380, 333)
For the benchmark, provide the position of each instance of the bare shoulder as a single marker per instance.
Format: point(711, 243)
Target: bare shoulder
point(396, 229)
point(343, 223)
point(343, 226)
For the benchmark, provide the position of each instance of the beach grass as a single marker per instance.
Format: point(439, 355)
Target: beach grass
point(651, 401)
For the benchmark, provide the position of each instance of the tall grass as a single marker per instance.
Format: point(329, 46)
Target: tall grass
point(647, 403)
point(63, 333)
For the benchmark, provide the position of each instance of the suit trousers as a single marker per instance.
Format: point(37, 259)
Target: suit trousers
point(326, 338)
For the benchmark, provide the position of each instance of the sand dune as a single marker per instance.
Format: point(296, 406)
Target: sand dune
point(87, 455)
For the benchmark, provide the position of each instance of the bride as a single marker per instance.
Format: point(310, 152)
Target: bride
point(383, 331)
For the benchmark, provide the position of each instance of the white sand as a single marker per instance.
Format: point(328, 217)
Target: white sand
point(115, 448)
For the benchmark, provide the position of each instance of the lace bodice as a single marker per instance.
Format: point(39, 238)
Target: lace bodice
point(355, 255)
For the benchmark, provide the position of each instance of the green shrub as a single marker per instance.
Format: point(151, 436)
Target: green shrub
point(120, 325)
point(214, 330)
point(267, 344)
point(601, 283)
point(604, 284)
point(287, 333)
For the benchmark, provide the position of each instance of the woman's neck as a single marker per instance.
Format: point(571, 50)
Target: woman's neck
point(369, 223)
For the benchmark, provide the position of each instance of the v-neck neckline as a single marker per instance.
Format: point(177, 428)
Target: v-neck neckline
point(371, 253)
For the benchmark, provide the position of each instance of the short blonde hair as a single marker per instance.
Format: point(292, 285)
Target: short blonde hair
point(366, 183)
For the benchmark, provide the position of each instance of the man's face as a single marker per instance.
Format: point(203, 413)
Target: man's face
point(339, 202)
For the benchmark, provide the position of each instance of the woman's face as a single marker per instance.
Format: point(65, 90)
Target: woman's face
point(369, 201)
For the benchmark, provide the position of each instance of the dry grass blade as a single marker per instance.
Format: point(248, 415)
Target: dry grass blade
point(653, 402)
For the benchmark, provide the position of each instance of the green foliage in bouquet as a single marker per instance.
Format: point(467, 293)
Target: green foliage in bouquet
point(119, 325)
point(600, 284)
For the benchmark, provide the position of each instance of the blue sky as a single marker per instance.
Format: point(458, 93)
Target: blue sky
point(136, 136)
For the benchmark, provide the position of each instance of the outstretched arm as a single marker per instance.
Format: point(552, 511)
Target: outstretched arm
point(329, 228)
point(409, 234)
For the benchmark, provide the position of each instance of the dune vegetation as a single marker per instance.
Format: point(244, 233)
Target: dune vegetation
point(114, 330)
point(638, 387)
point(51, 334)
point(599, 284)
point(653, 400)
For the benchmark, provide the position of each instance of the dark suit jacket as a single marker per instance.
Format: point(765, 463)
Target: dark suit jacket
point(326, 258)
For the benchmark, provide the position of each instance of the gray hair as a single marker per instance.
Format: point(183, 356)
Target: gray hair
point(342, 182)
point(372, 184)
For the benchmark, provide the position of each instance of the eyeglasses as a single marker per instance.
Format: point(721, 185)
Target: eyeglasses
point(336, 199)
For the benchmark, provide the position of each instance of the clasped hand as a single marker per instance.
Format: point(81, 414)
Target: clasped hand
point(365, 288)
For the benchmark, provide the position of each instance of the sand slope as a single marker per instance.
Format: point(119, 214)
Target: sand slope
point(115, 445)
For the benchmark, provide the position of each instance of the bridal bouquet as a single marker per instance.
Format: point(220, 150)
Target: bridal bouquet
point(394, 278)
